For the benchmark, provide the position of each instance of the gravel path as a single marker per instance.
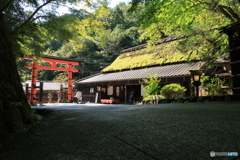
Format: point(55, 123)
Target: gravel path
point(128, 132)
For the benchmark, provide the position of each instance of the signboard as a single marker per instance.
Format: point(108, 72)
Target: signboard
point(96, 98)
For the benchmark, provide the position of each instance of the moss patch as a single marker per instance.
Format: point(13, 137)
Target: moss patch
point(160, 54)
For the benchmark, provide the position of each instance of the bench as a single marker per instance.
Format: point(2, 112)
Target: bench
point(110, 101)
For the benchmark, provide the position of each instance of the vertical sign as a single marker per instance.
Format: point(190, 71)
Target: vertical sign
point(96, 98)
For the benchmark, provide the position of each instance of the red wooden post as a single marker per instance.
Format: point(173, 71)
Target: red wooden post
point(70, 83)
point(34, 82)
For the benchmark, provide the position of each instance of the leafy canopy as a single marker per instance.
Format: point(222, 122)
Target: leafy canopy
point(97, 36)
point(26, 19)
point(197, 21)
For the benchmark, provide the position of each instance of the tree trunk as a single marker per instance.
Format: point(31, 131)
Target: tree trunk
point(14, 108)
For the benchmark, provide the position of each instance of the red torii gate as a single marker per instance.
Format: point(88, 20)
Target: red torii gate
point(53, 61)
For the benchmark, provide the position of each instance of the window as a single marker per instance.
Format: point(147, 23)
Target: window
point(91, 90)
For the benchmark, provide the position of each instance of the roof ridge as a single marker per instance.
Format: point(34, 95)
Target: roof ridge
point(141, 46)
point(154, 65)
point(93, 75)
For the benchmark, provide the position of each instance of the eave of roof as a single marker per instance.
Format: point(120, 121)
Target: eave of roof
point(175, 70)
point(231, 28)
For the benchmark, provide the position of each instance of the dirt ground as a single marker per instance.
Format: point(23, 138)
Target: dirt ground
point(129, 132)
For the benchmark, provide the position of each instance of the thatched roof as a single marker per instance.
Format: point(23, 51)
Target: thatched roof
point(165, 52)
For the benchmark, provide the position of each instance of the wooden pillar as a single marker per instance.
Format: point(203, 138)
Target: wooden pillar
point(26, 89)
point(125, 93)
point(34, 82)
point(40, 92)
point(70, 92)
point(191, 89)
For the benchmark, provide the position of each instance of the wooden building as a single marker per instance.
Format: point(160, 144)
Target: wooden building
point(233, 32)
point(49, 89)
point(123, 76)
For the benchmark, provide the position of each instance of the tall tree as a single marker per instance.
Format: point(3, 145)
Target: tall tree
point(197, 21)
point(121, 32)
point(97, 37)
point(16, 30)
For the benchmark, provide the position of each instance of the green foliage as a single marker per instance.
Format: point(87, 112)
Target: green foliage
point(151, 85)
point(197, 21)
point(25, 73)
point(47, 74)
point(22, 32)
point(33, 115)
point(31, 29)
point(61, 77)
point(150, 97)
point(16, 104)
point(172, 91)
point(96, 37)
point(211, 85)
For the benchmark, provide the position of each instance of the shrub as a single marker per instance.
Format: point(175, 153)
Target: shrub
point(171, 91)
point(151, 85)
point(212, 85)
point(149, 97)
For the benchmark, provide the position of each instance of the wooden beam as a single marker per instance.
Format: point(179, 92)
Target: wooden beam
point(53, 68)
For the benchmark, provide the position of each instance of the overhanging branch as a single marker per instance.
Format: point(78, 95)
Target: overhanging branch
point(40, 17)
point(6, 6)
point(230, 11)
point(227, 11)
point(226, 14)
point(19, 28)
